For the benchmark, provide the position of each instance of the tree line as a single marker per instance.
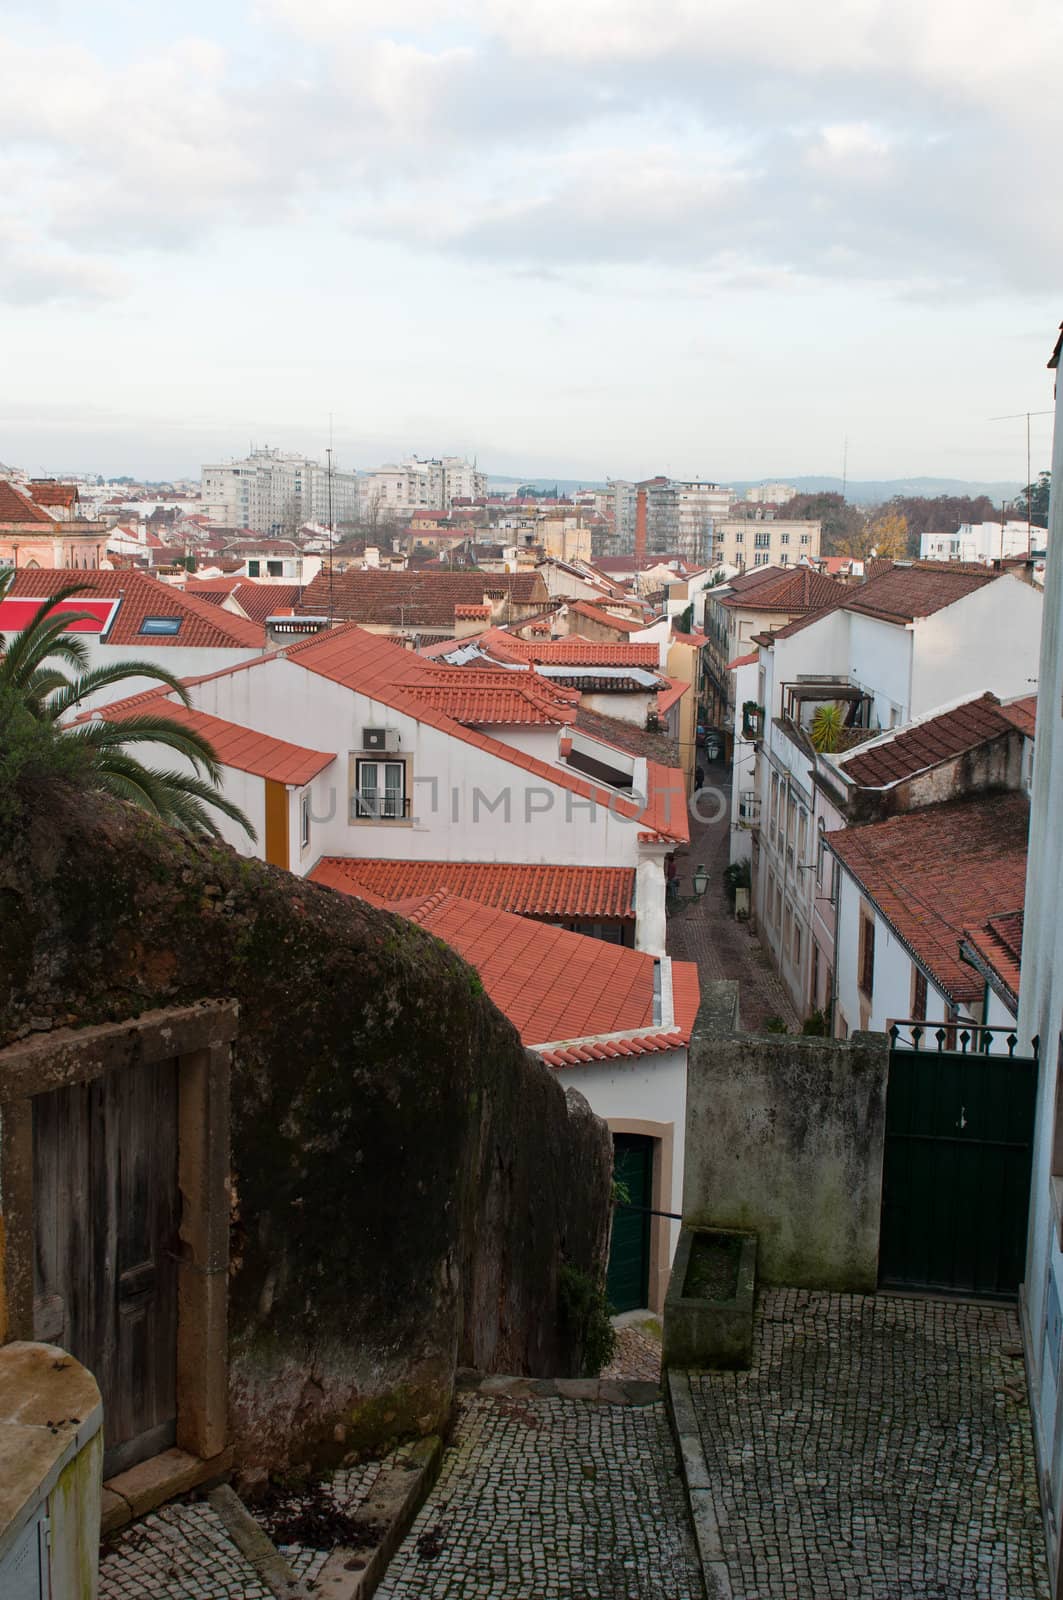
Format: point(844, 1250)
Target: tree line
point(895, 528)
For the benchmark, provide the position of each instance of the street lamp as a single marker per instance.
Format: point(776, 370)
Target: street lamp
point(701, 878)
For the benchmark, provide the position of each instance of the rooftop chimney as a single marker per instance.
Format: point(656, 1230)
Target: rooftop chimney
point(640, 527)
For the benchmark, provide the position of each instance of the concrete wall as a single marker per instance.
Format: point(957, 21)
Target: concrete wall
point(784, 1137)
point(1041, 1014)
point(990, 639)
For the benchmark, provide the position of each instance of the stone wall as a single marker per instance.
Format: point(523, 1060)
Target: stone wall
point(407, 1178)
point(785, 1137)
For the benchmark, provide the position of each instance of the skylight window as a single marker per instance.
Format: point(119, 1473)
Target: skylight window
point(160, 625)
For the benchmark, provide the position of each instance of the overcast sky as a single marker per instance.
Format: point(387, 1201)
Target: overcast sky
point(587, 237)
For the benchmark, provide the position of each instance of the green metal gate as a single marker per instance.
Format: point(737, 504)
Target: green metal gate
point(956, 1174)
point(628, 1277)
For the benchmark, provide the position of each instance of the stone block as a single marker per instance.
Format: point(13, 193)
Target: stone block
point(710, 1332)
point(163, 1477)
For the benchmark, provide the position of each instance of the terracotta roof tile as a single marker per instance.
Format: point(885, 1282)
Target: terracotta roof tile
point(572, 651)
point(926, 743)
point(559, 989)
point(793, 589)
point(909, 591)
point(1022, 714)
point(18, 507)
point(413, 599)
point(142, 596)
point(584, 608)
point(530, 890)
point(997, 946)
point(234, 746)
point(935, 872)
point(47, 492)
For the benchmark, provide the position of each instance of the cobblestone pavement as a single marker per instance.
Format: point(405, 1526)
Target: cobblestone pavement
point(181, 1552)
point(546, 1499)
point(878, 1449)
point(184, 1551)
point(638, 1353)
point(704, 930)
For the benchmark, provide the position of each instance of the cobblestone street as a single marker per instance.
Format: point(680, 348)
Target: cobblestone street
point(704, 931)
point(550, 1499)
point(879, 1449)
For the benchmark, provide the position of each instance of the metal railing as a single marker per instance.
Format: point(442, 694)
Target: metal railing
point(380, 805)
point(960, 1037)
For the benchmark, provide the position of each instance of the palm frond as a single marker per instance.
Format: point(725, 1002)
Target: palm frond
point(90, 683)
point(101, 734)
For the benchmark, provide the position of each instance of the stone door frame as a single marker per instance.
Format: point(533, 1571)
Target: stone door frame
point(199, 1038)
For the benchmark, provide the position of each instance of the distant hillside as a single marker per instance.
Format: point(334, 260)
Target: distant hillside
point(861, 492)
point(871, 491)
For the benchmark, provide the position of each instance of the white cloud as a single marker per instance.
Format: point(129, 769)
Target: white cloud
point(890, 139)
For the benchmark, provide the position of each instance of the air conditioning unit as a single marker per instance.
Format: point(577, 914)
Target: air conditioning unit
point(380, 741)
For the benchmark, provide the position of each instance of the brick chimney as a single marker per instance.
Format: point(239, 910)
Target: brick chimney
point(640, 526)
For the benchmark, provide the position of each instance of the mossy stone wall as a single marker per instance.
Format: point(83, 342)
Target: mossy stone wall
point(407, 1178)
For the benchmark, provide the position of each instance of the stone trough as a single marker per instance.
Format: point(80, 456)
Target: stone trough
point(708, 1311)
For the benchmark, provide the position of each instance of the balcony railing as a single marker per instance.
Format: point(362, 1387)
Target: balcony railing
point(749, 809)
point(380, 805)
point(967, 1038)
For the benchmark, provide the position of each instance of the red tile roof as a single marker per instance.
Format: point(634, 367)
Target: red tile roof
point(572, 651)
point(743, 661)
point(997, 947)
point(588, 1000)
point(18, 507)
point(234, 746)
point(413, 600)
point(46, 492)
point(605, 894)
point(261, 600)
point(906, 592)
point(666, 698)
point(927, 743)
point(696, 639)
point(374, 666)
point(794, 589)
point(202, 625)
point(935, 872)
point(584, 608)
point(1022, 714)
point(481, 697)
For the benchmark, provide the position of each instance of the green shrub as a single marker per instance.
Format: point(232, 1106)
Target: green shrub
point(774, 1025)
point(816, 1025)
point(737, 876)
point(583, 1313)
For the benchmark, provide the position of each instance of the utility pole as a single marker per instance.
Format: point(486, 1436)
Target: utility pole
point(1014, 416)
point(331, 598)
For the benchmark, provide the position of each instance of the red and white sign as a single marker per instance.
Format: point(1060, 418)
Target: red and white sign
point(97, 615)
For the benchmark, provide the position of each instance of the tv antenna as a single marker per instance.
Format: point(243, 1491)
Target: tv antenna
point(1014, 416)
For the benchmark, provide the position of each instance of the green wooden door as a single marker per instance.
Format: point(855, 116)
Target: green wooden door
point(956, 1179)
point(629, 1256)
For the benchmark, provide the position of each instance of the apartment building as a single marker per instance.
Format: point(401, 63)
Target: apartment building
point(748, 604)
point(771, 494)
point(398, 489)
point(893, 652)
point(681, 514)
point(748, 543)
point(982, 542)
point(272, 491)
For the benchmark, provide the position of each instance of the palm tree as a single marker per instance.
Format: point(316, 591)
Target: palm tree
point(36, 694)
point(827, 727)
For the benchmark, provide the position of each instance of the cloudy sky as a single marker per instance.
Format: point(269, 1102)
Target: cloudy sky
point(571, 236)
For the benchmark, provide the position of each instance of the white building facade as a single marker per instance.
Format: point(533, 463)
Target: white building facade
point(982, 542)
point(272, 491)
point(1041, 1017)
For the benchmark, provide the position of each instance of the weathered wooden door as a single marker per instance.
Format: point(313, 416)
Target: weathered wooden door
point(629, 1253)
point(956, 1174)
point(106, 1218)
